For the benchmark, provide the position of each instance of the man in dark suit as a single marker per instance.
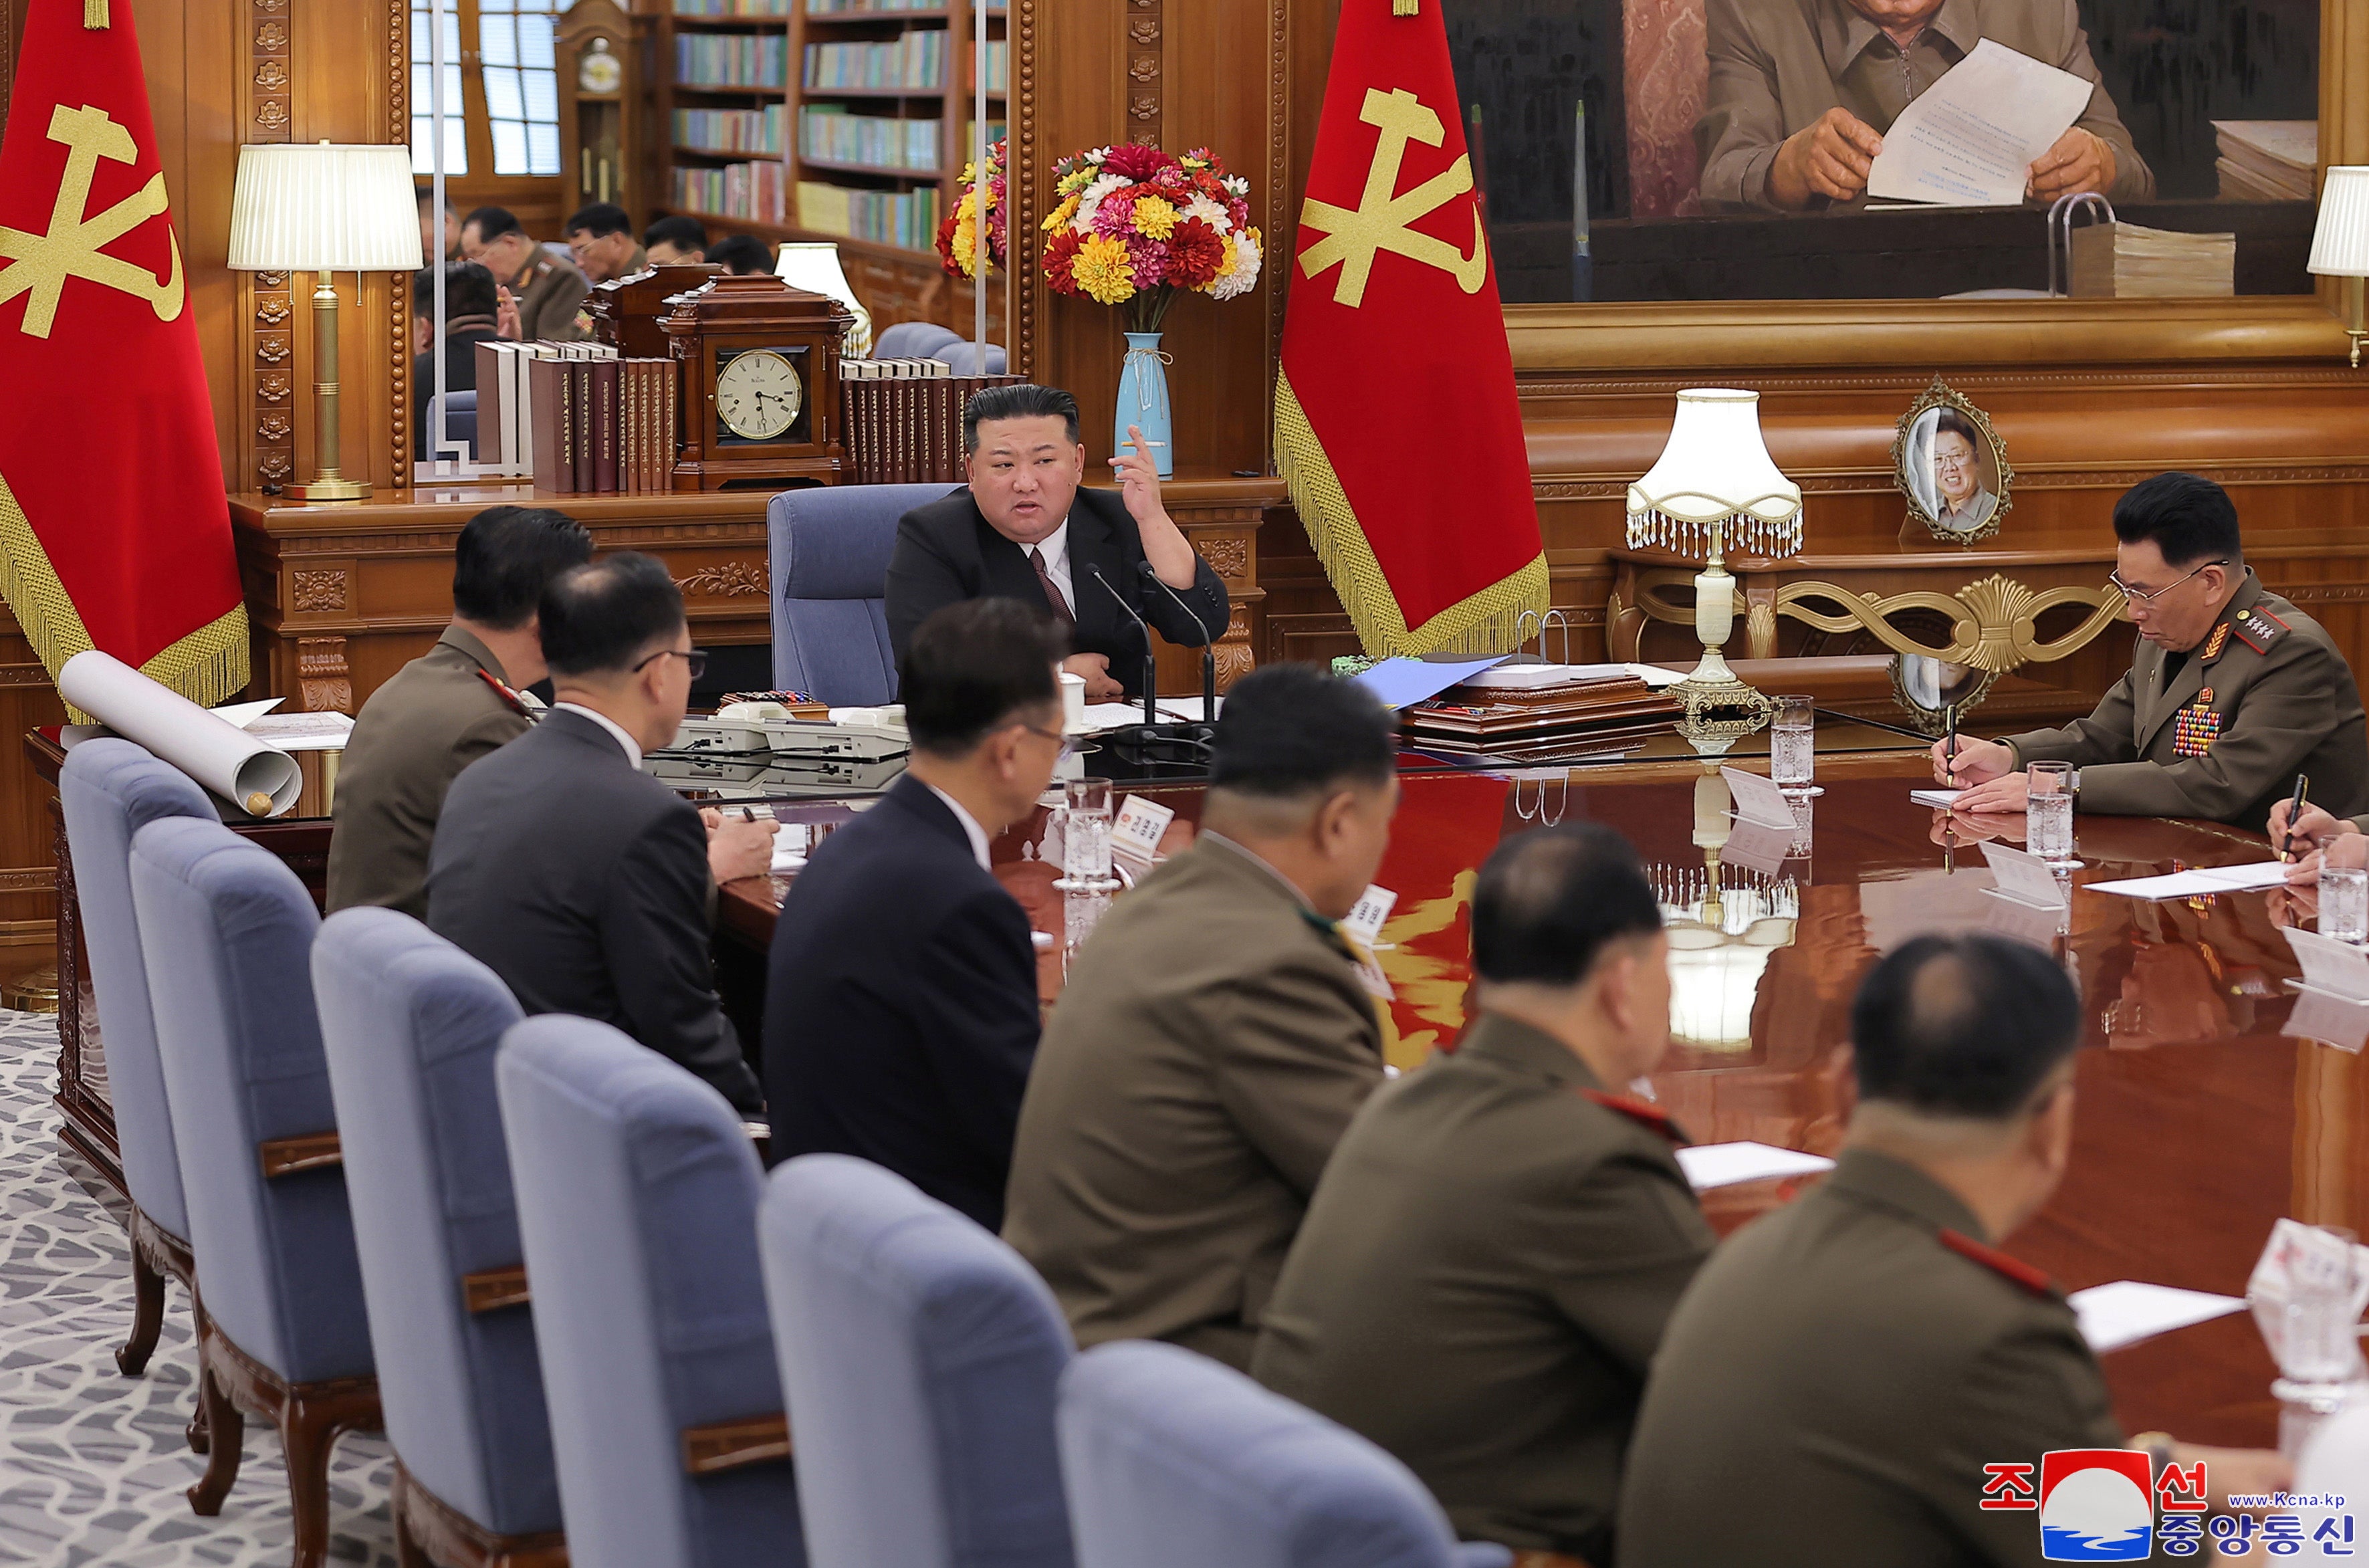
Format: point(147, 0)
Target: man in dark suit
point(1024, 530)
point(448, 707)
point(579, 879)
point(901, 1012)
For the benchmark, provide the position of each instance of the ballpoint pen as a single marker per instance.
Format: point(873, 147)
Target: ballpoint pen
point(2294, 806)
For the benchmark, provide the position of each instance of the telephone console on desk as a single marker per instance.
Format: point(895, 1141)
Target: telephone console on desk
point(757, 749)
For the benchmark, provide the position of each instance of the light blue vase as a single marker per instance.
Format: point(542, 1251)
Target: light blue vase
point(1143, 401)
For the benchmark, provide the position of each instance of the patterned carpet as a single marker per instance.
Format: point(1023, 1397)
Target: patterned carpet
point(91, 1463)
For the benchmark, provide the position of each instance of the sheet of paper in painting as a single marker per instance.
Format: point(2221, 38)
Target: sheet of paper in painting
point(1971, 138)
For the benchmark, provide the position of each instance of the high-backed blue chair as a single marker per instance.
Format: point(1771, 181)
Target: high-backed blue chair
point(411, 1025)
point(637, 1192)
point(831, 547)
point(962, 357)
point(912, 341)
point(920, 1354)
point(1173, 1460)
point(109, 790)
point(226, 931)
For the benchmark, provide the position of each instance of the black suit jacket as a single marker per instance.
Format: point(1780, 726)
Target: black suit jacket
point(946, 551)
point(582, 881)
point(901, 1007)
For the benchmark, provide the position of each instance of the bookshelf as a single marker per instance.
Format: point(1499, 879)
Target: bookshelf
point(831, 120)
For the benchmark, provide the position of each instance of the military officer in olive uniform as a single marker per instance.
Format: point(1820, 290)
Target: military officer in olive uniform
point(446, 708)
point(541, 296)
point(1498, 1242)
point(1844, 1368)
point(2232, 693)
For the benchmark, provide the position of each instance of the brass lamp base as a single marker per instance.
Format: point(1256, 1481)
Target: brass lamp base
point(1717, 703)
point(34, 991)
point(328, 489)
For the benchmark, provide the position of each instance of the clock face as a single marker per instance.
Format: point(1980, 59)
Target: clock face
point(758, 394)
point(598, 71)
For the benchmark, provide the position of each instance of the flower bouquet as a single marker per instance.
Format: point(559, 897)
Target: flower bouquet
point(1137, 226)
point(959, 235)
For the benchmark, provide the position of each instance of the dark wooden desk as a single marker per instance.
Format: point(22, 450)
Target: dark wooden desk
point(2200, 1122)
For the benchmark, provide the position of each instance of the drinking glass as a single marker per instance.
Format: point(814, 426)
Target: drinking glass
point(1793, 745)
point(1086, 838)
point(2316, 1340)
point(2048, 812)
point(2343, 902)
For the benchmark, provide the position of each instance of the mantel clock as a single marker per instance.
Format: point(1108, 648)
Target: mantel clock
point(760, 384)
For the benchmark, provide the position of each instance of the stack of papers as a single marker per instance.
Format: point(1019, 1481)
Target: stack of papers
point(2199, 883)
point(1118, 715)
point(2127, 1311)
point(1529, 677)
point(2267, 160)
point(2123, 261)
point(1941, 799)
point(1711, 1165)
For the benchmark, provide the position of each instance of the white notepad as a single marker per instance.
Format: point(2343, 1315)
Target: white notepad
point(1724, 1164)
point(2199, 883)
point(1941, 799)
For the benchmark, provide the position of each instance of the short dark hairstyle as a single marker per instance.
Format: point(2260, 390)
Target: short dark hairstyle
point(493, 222)
point(1967, 1025)
point(427, 197)
point(600, 220)
point(1954, 423)
point(1290, 729)
point(972, 667)
point(468, 291)
point(507, 556)
point(602, 619)
point(1548, 903)
point(742, 255)
point(1022, 400)
point(688, 233)
point(2190, 518)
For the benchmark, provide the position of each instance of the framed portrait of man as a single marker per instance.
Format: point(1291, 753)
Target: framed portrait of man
point(1952, 467)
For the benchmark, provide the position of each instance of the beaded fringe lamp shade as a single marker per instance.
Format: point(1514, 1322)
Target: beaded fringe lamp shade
point(1715, 485)
point(2339, 245)
point(300, 207)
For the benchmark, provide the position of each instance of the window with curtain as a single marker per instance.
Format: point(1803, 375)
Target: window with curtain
point(514, 43)
point(423, 100)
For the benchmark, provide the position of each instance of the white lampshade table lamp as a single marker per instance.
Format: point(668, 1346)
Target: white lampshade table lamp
point(2339, 245)
point(1715, 485)
point(300, 207)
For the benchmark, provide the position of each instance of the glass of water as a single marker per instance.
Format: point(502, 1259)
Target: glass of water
point(2316, 1341)
point(1793, 746)
point(2048, 812)
point(2343, 902)
point(1086, 838)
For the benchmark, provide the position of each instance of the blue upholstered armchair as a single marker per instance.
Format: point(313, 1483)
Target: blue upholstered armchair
point(638, 1194)
point(1172, 1460)
point(226, 932)
point(411, 1025)
point(921, 1355)
point(109, 791)
point(831, 547)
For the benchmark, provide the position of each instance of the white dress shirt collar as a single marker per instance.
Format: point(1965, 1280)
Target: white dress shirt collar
point(972, 829)
point(633, 748)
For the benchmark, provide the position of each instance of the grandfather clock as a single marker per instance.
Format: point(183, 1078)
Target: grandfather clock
point(760, 384)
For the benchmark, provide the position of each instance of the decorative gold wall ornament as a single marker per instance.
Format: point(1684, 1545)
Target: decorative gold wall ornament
point(1993, 624)
point(1952, 467)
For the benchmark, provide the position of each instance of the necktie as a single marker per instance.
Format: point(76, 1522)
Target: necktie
point(1052, 590)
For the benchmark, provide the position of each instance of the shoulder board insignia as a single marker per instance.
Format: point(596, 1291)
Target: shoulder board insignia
point(2258, 631)
point(506, 695)
point(2015, 1269)
point(2219, 640)
point(1652, 1119)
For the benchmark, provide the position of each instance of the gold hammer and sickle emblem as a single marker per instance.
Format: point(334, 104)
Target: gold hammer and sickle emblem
point(75, 246)
point(1384, 216)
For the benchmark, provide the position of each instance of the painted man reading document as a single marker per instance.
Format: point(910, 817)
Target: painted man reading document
point(1802, 93)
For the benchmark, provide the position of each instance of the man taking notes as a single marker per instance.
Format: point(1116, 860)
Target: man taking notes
point(900, 1006)
point(1843, 1368)
point(1214, 1039)
point(1023, 530)
point(1801, 92)
point(2232, 690)
point(1497, 1242)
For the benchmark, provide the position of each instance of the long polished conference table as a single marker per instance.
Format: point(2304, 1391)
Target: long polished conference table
point(2209, 1101)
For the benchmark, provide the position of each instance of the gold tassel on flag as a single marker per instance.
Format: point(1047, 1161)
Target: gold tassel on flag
point(1398, 7)
point(94, 15)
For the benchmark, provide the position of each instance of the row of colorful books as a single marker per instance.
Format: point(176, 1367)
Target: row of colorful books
point(917, 60)
point(731, 7)
point(575, 417)
point(732, 60)
point(730, 130)
point(829, 132)
point(909, 218)
point(753, 192)
point(903, 419)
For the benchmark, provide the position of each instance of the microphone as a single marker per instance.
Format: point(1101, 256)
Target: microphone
point(1150, 667)
point(1208, 644)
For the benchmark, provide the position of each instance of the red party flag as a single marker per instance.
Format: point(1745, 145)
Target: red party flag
point(1395, 418)
point(114, 528)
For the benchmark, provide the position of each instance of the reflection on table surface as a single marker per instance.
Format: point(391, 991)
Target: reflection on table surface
point(2211, 1100)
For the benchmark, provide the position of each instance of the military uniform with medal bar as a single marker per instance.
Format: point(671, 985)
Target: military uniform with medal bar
point(2219, 732)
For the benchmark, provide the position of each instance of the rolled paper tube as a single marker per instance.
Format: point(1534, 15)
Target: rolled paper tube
point(210, 749)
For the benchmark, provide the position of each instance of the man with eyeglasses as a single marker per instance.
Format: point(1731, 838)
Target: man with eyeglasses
point(2231, 694)
point(579, 879)
point(900, 1005)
